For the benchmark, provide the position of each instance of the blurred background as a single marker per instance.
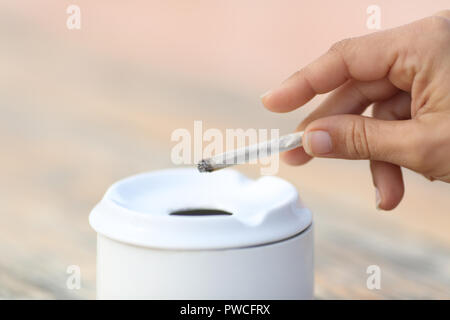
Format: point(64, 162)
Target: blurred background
point(81, 109)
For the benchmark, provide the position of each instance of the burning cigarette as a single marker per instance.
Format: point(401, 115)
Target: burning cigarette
point(253, 152)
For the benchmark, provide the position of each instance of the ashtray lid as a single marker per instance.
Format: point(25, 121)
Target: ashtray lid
point(183, 209)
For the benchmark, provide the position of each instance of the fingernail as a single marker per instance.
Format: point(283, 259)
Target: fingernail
point(377, 198)
point(317, 143)
point(265, 94)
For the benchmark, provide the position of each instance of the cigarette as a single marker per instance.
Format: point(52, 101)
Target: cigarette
point(251, 153)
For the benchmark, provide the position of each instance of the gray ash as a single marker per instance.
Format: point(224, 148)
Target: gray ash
point(204, 166)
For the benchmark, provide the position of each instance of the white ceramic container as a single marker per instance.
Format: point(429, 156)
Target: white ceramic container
point(148, 249)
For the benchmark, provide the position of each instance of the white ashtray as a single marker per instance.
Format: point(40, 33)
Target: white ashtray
point(179, 234)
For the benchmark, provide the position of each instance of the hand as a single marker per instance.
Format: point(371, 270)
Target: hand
point(405, 73)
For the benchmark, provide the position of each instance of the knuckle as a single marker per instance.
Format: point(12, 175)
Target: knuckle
point(340, 46)
point(356, 140)
point(431, 35)
point(443, 13)
point(297, 74)
point(438, 25)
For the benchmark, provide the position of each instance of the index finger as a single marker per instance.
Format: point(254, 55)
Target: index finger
point(365, 58)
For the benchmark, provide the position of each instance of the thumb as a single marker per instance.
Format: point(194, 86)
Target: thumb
point(359, 137)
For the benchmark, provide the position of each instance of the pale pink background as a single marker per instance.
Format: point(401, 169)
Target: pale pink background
point(251, 43)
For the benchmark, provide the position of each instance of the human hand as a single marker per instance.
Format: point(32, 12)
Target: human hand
point(405, 73)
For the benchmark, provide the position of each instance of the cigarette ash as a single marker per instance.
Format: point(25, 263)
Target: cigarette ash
point(205, 166)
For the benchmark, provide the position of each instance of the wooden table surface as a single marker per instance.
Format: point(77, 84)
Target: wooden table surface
point(73, 121)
